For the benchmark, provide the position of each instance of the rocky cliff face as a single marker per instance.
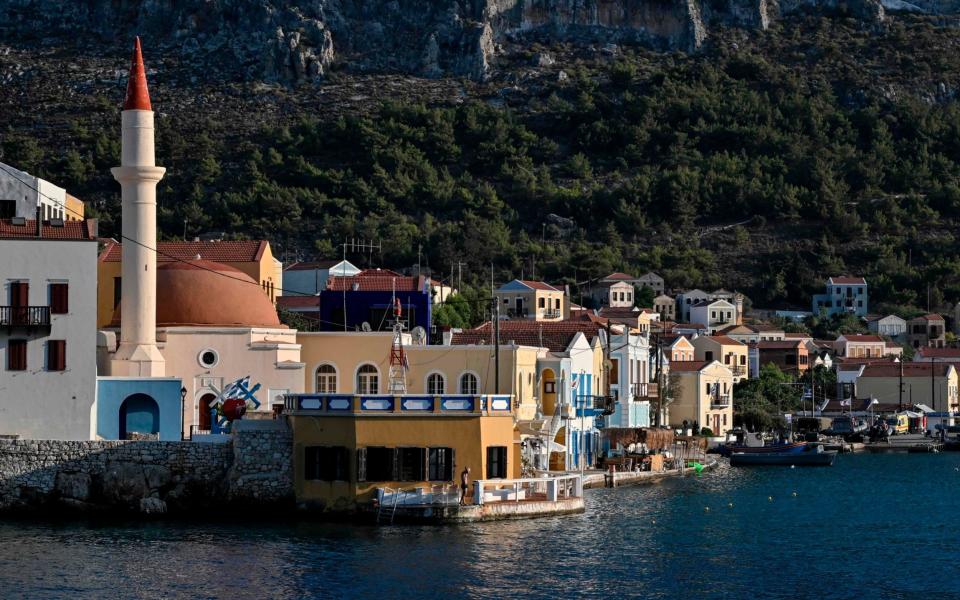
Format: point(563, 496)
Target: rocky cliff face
point(294, 42)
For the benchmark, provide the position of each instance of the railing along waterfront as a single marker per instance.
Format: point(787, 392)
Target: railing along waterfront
point(544, 489)
point(406, 404)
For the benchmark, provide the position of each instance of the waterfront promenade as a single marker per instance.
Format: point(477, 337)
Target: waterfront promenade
point(650, 541)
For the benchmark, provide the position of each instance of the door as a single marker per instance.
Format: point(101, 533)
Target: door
point(19, 302)
point(205, 420)
point(519, 307)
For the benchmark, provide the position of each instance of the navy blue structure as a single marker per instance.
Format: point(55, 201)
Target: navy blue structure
point(374, 307)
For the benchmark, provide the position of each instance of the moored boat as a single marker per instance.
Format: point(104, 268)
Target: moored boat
point(810, 456)
point(752, 443)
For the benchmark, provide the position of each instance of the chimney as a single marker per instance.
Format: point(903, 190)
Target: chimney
point(39, 220)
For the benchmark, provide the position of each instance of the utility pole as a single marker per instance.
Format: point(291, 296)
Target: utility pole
point(460, 276)
point(900, 405)
point(496, 345)
point(660, 389)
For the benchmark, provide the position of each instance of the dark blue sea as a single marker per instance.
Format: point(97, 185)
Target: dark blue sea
point(869, 527)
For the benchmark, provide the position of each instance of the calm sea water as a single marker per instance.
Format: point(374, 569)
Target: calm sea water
point(871, 526)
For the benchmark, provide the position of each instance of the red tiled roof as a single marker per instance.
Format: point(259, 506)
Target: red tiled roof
point(619, 275)
point(862, 338)
point(909, 369)
point(843, 280)
point(622, 312)
point(723, 339)
point(311, 266)
point(553, 335)
point(226, 251)
point(71, 230)
point(930, 317)
point(688, 326)
point(688, 366)
point(797, 336)
point(374, 280)
point(864, 361)
point(292, 302)
point(939, 352)
point(538, 285)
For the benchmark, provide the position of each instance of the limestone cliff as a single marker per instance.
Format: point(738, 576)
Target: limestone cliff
point(292, 42)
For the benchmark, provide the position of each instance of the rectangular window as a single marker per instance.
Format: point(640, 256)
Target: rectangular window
point(17, 355)
point(440, 464)
point(326, 463)
point(58, 298)
point(376, 464)
point(19, 293)
point(117, 287)
point(549, 387)
point(412, 463)
point(56, 355)
point(726, 359)
point(614, 371)
point(556, 304)
point(713, 314)
point(542, 302)
point(496, 462)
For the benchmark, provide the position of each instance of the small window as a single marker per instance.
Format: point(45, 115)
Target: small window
point(117, 287)
point(368, 380)
point(440, 464)
point(436, 386)
point(326, 379)
point(58, 298)
point(17, 355)
point(468, 384)
point(542, 302)
point(56, 355)
point(549, 387)
point(411, 464)
point(376, 464)
point(496, 462)
point(326, 463)
point(556, 304)
point(208, 358)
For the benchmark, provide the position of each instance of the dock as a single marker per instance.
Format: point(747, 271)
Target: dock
point(912, 444)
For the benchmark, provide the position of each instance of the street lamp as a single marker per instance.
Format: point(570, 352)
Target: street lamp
point(183, 401)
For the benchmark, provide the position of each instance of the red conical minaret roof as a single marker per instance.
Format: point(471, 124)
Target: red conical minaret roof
point(138, 98)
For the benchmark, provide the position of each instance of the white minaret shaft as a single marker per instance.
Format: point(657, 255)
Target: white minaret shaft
point(137, 354)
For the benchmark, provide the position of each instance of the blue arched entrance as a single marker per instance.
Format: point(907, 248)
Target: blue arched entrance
point(139, 413)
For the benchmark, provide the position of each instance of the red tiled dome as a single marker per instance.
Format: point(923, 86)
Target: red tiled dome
point(209, 294)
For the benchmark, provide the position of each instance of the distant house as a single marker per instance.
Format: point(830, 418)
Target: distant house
point(666, 307)
point(843, 295)
point(652, 281)
point(790, 356)
point(860, 346)
point(536, 300)
point(307, 278)
point(751, 334)
point(615, 294)
point(728, 351)
point(890, 325)
point(933, 384)
point(704, 397)
point(686, 300)
point(715, 314)
point(927, 331)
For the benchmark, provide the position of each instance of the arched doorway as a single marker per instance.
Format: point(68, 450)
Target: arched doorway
point(140, 414)
point(548, 392)
point(204, 420)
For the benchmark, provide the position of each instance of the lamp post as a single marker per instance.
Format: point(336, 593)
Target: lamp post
point(183, 401)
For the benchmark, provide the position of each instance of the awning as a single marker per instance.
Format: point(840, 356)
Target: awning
point(923, 408)
point(912, 414)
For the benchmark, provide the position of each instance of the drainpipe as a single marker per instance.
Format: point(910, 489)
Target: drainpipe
point(39, 221)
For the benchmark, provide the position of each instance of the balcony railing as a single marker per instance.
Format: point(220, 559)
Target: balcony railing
point(720, 401)
point(518, 314)
point(643, 391)
point(24, 316)
point(738, 370)
point(551, 313)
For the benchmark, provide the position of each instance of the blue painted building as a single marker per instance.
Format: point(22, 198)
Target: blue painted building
point(369, 298)
point(141, 405)
point(844, 295)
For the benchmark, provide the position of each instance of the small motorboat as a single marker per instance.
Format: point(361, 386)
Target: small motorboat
point(752, 443)
point(812, 455)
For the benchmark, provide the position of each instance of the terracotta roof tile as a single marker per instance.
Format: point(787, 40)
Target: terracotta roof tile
point(688, 366)
point(723, 339)
point(375, 281)
point(619, 276)
point(843, 280)
point(910, 369)
point(863, 338)
point(780, 345)
point(71, 230)
point(939, 352)
point(553, 335)
point(226, 251)
point(539, 285)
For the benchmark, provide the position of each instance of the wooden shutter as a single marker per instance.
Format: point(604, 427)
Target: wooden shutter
point(58, 298)
point(20, 293)
point(56, 355)
point(361, 464)
point(17, 355)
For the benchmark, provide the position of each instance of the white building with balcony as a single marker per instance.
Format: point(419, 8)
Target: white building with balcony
point(48, 328)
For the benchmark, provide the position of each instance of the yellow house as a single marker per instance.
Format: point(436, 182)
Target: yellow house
point(346, 447)
point(534, 300)
point(680, 349)
point(704, 396)
point(75, 208)
point(730, 352)
point(252, 257)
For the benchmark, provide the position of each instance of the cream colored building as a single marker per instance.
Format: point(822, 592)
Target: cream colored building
point(933, 384)
point(728, 351)
point(666, 307)
point(864, 346)
point(533, 300)
point(704, 396)
point(358, 362)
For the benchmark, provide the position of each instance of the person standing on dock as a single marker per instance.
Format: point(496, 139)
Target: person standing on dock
point(464, 484)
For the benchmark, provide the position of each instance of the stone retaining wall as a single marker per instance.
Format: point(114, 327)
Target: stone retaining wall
point(147, 476)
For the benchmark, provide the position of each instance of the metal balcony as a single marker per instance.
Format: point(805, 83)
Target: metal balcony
point(518, 314)
point(29, 317)
point(738, 370)
point(720, 401)
point(645, 391)
point(551, 313)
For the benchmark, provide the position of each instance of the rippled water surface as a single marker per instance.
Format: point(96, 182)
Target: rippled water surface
point(871, 526)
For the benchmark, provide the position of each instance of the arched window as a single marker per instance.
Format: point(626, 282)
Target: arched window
point(436, 386)
point(468, 384)
point(326, 379)
point(368, 380)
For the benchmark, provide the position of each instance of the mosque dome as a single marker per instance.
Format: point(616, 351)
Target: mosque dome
point(203, 293)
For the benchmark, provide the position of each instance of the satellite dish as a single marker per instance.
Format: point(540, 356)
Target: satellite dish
point(366, 327)
point(419, 335)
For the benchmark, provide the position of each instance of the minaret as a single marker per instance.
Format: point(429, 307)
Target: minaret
point(137, 354)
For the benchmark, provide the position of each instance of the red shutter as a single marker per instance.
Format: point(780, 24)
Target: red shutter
point(56, 355)
point(20, 293)
point(58, 298)
point(17, 355)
